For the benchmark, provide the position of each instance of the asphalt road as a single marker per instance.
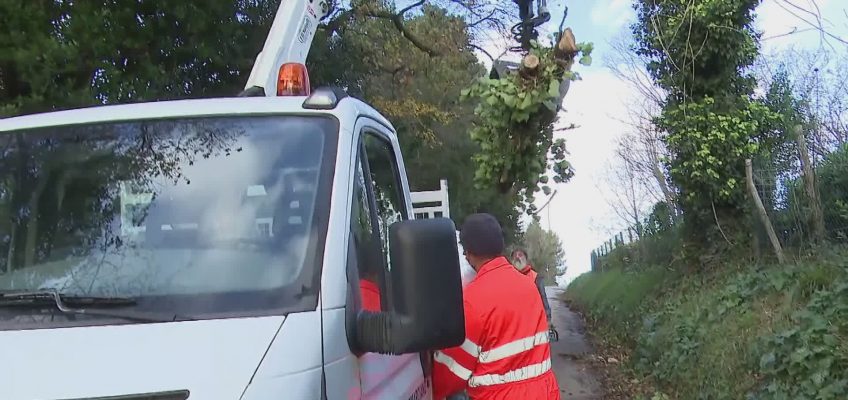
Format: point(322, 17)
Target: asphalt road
point(577, 381)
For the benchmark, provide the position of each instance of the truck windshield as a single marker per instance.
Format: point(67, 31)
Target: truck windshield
point(205, 217)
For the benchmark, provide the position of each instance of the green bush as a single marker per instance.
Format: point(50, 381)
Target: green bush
point(832, 180)
point(617, 295)
point(809, 358)
point(744, 331)
point(660, 248)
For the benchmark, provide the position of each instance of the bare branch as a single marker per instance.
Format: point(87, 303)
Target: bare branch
point(482, 50)
point(408, 8)
point(817, 24)
point(481, 20)
point(397, 20)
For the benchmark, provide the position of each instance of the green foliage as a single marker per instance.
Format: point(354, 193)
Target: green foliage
point(659, 243)
point(61, 54)
point(809, 360)
point(710, 148)
point(514, 128)
point(698, 48)
point(699, 52)
point(545, 250)
point(659, 220)
point(419, 94)
point(832, 181)
point(778, 139)
point(775, 332)
point(616, 295)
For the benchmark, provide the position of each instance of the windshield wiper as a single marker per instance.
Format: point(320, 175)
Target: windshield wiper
point(71, 304)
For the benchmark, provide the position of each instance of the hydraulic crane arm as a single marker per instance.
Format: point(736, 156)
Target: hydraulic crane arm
point(288, 41)
point(525, 31)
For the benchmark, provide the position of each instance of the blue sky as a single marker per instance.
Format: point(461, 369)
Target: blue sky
point(580, 213)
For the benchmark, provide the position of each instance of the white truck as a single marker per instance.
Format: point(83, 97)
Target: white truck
point(256, 247)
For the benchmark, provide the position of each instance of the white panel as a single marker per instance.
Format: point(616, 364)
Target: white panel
point(391, 377)
point(213, 359)
point(426, 197)
point(305, 385)
point(296, 348)
point(333, 275)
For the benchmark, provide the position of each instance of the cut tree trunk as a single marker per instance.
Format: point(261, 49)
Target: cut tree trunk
point(529, 66)
point(761, 212)
point(567, 46)
point(566, 50)
point(817, 216)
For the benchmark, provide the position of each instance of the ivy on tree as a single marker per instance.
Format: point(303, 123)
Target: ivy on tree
point(710, 119)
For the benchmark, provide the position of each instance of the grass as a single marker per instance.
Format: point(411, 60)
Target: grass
point(739, 332)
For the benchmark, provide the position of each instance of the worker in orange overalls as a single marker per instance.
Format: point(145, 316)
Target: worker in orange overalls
point(369, 275)
point(522, 263)
point(506, 354)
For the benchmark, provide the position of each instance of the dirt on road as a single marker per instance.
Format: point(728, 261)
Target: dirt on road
point(573, 356)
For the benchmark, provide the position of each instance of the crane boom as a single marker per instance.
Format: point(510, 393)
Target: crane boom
point(288, 41)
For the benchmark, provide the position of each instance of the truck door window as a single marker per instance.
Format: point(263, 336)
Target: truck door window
point(369, 264)
point(385, 181)
point(377, 203)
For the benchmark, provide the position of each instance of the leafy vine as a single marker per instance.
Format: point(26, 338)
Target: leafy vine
point(515, 122)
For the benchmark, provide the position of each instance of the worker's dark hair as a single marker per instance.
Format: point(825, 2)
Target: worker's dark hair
point(482, 236)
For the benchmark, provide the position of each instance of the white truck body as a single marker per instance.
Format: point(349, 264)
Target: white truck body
point(316, 349)
point(250, 358)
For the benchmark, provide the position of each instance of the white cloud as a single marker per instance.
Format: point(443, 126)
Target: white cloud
point(611, 15)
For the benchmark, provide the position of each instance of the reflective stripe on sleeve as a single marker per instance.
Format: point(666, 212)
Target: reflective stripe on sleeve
point(521, 374)
point(453, 366)
point(513, 348)
point(471, 348)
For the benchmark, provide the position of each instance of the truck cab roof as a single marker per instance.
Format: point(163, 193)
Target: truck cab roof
point(346, 108)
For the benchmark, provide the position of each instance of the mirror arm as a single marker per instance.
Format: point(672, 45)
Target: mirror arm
point(375, 330)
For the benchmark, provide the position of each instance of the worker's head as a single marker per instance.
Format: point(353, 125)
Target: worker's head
point(482, 239)
point(519, 258)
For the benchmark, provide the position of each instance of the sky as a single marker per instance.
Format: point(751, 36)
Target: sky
point(579, 213)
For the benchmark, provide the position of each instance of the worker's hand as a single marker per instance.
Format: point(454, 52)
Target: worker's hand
point(552, 333)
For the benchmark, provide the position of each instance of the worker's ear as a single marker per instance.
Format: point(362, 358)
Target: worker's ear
point(426, 292)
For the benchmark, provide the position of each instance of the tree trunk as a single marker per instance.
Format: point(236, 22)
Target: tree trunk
point(761, 211)
point(529, 66)
point(566, 48)
point(666, 191)
point(565, 51)
point(810, 188)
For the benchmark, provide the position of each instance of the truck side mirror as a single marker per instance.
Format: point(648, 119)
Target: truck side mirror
point(427, 309)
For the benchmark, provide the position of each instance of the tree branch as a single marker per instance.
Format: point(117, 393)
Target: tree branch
point(408, 8)
point(335, 24)
point(398, 21)
point(481, 20)
point(474, 46)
